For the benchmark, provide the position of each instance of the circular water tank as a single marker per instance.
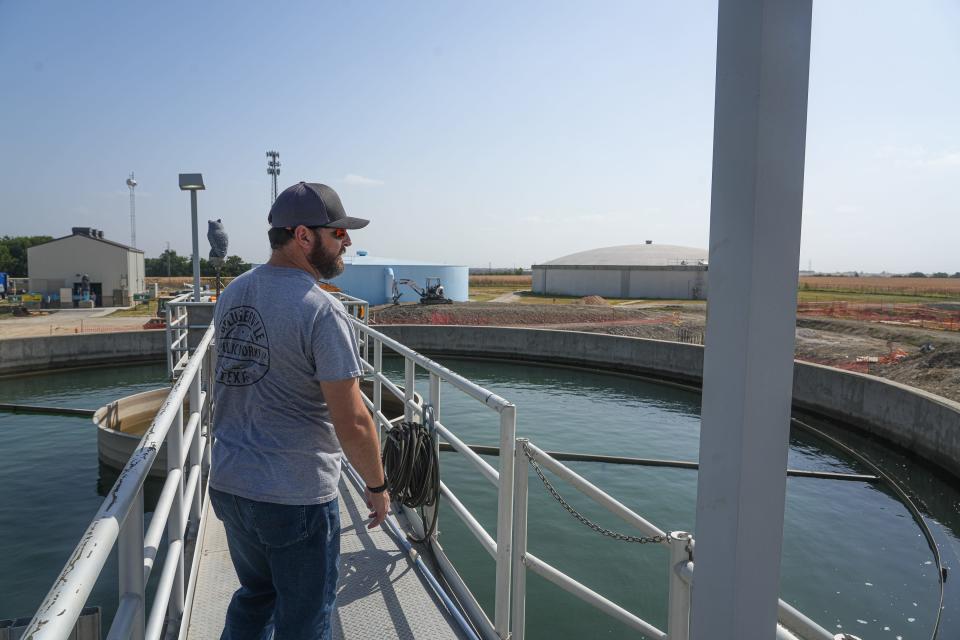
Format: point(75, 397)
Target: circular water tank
point(371, 278)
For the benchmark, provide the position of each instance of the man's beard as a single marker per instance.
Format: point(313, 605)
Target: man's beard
point(329, 265)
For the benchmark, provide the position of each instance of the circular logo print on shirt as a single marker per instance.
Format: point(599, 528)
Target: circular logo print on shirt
point(243, 353)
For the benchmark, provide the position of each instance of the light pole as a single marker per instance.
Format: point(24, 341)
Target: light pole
point(193, 182)
point(273, 170)
point(132, 183)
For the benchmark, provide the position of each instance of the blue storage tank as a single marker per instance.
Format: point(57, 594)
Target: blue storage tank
point(371, 278)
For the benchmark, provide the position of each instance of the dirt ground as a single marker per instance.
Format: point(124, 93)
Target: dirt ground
point(66, 321)
point(924, 358)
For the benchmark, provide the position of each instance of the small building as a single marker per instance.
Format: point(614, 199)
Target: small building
point(114, 271)
point(372, 279)
point(629, 271)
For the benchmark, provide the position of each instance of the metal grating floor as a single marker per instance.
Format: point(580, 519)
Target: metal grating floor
point(380, 594)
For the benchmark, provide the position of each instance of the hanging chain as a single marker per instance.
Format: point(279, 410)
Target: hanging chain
point(582, 518)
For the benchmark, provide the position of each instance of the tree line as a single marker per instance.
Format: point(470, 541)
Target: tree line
point(13, 253)
point(13, 260)
point(171, 264)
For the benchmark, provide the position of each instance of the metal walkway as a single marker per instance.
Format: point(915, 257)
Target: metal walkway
point(379, 595)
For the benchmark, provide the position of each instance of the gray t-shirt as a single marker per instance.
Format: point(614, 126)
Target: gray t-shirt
point(278, 335)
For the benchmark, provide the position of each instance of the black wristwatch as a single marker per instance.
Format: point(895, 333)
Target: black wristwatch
point(379, 489)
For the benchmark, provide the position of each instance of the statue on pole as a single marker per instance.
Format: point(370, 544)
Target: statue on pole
point(217, 237)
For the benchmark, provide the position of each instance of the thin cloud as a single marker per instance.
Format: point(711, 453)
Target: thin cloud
point(947, 160)
point(576, 218)
point(533, 219)
point(918, 156)
point(361, 181)
point(125, 193)
point(848, 208)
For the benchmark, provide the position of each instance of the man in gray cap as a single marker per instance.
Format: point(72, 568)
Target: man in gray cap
point(288, 404)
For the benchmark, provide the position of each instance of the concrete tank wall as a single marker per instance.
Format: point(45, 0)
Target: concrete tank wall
point(924, 423)
point(921, 422)
point(18, 355)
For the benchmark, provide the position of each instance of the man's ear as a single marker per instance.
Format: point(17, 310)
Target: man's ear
point(301, 234)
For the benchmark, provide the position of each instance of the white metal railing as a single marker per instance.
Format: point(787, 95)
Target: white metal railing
point(356, 307)
point(177, 332)
point(681, 552)
point(178, 512)
point(359, 309)
point(793, 625)
point(509, 548)
point(120, 520)
point(499, 547)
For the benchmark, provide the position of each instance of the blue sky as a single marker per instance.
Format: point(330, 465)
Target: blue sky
point(469, 133)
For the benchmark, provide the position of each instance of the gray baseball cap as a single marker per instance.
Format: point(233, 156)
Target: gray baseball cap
point(312, 205)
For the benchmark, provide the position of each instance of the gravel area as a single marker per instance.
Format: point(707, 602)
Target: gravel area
point(67, 321)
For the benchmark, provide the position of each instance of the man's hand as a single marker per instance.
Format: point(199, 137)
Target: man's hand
point(379, 505)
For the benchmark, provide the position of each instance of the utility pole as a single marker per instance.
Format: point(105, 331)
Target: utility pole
point(273, 170)
point(133, 211)
point(168, 259)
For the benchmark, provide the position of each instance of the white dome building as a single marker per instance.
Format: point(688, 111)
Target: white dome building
point(628, 271)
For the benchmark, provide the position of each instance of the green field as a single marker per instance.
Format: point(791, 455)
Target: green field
point(143, 309)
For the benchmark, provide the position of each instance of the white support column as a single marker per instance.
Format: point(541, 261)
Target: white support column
point(763, 58)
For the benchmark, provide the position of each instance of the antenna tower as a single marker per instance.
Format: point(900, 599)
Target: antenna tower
point(133, 211)
point(273, 170)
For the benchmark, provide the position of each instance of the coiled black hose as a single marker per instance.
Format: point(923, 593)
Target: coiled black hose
point(412, 466)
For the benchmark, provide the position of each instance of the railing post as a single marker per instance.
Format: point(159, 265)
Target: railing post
point(508, 433)
point(678, 608)
point(435, 403)
point(194, 460)
point(211, 381)
point(377, 385)
point(169, 330)
point(366, 346)
point(130, 556)
point(364, 310)
point(177, 518)
point(355, 327)
point(409, 371)
point(518, 571)
point(185, 329)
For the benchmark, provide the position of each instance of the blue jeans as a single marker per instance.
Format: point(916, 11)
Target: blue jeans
point(286, 558)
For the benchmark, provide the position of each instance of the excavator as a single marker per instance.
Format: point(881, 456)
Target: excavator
point(431, 294)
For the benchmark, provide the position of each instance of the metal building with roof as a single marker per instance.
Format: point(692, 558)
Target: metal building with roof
point(628, 271)
point(114, 271)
